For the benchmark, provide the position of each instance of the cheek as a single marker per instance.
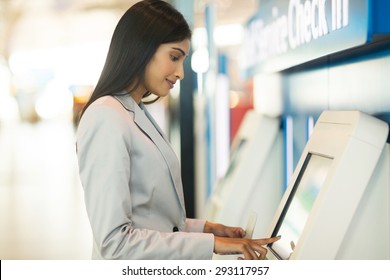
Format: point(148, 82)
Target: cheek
point(164, 69)
point(156, 71)
point(154, 78)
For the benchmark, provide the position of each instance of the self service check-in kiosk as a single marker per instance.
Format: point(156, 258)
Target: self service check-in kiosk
point(337, 203)
point(252, 185)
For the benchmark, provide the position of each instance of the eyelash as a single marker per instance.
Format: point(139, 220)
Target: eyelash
point(174, 58)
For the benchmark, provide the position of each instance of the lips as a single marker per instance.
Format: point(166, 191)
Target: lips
point(171, 83)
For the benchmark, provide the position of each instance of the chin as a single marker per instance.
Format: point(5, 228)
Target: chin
point(163, 94)
point(160, 93)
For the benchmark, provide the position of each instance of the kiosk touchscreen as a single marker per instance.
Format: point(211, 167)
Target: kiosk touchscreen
point(252, 186)
point(337, 205)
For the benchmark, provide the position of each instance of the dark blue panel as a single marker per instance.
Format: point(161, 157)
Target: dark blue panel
point(284, 33)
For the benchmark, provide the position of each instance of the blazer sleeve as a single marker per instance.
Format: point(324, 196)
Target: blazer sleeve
point(103, 147)
point(194, 225)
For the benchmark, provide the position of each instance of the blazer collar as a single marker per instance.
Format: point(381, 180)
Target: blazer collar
point(127, 101)
point(140, 112)
point(147, 124)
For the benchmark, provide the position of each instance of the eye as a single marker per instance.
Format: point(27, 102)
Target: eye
point(174, 58)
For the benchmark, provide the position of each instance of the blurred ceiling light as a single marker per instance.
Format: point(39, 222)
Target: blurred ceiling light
point(79, 64)
point(199, 38)
point(200, 60)
point(228, 35)
point(56, 100)
point(224, 35)
point(234, 99)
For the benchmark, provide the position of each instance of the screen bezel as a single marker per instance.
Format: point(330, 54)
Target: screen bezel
point(290, 198)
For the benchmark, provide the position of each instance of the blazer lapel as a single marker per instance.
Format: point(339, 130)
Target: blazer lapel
point(147, 124)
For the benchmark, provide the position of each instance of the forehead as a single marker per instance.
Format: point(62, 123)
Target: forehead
point(182, 46)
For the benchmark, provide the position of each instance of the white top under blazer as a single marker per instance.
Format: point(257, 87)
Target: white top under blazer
point(132, 186)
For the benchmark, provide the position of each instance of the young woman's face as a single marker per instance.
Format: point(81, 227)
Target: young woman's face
point(166, 67)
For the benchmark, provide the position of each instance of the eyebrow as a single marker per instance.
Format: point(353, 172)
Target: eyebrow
point(180, 50)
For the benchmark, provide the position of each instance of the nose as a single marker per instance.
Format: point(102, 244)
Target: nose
point(180, 72)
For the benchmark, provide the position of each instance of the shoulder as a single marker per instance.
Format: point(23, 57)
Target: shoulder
point(106, 107)
point(106, 113)
point(106, 103)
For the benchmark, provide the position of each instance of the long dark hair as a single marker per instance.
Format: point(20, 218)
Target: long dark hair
point(141, 30)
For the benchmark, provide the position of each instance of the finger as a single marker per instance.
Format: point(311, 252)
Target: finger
point(236, 233)
point(249, 256)
point(249, 253)
point(265, 241)
point(241, 232)
point(262, 253)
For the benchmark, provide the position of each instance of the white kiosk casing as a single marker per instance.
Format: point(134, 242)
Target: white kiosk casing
point(253, 181)
point(337, 204)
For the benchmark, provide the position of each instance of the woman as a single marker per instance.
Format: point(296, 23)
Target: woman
point(129, 172)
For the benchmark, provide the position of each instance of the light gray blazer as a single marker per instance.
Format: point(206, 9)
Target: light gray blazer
point(132, 186)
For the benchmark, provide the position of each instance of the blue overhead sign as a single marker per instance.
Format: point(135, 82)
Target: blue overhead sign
point(286, 33)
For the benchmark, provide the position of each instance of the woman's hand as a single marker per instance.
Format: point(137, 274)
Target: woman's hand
point(229, 241)
point(223, 231)
point(252, 249)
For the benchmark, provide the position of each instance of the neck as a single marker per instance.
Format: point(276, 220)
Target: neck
point(137, 94)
